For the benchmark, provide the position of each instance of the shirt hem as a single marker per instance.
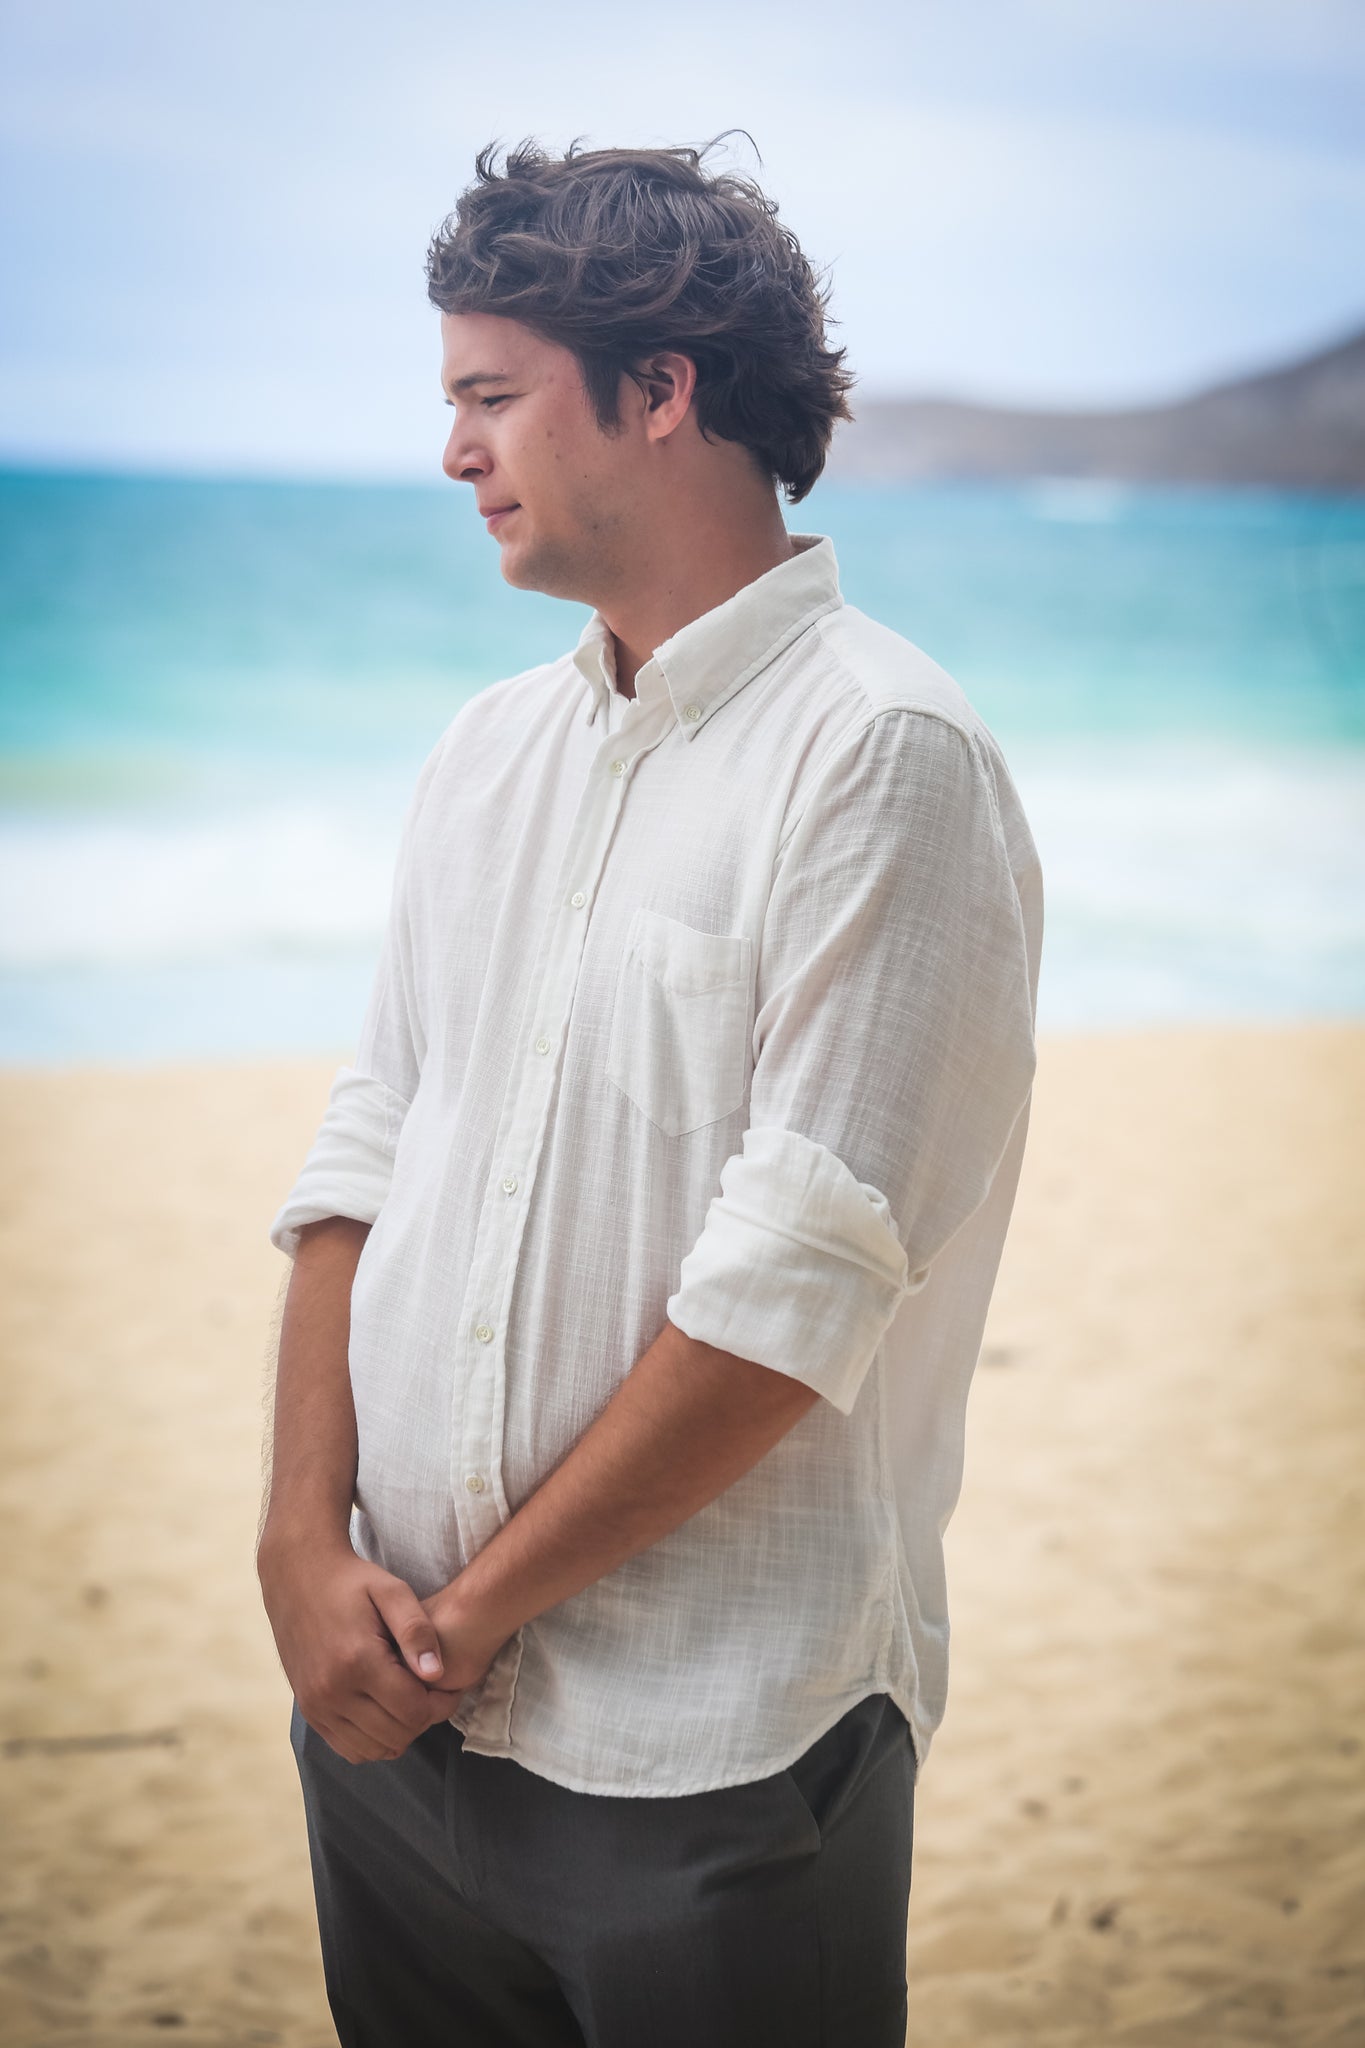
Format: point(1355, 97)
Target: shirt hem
point(573, 1781)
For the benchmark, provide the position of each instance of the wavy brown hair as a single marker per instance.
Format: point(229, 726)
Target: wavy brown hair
point(619, 253)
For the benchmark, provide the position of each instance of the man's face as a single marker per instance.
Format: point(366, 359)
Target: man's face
point(525, 435)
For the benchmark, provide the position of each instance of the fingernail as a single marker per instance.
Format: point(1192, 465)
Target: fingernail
point(428, 1664)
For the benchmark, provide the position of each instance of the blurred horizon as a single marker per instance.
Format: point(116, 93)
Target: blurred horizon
point(17, 463)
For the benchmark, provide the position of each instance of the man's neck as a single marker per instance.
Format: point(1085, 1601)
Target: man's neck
point(701, 577)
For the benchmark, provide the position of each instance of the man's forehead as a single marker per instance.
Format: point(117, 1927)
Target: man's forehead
point(484, 347)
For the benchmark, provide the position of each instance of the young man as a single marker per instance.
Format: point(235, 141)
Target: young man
point(642, 1257)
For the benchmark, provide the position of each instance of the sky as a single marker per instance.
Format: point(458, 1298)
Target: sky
point(214, 219)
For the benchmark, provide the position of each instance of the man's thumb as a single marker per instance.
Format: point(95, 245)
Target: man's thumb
point(412, 1629)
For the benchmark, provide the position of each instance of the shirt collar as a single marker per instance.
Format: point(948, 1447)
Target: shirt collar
point(706, 661)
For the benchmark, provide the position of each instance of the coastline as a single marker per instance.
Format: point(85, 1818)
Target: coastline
point(1142, 1817)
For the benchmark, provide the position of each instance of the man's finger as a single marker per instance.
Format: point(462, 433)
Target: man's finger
point(411, 1627)
point(352, 1743)
point(441, 1704)
point(395, 1731)
point(393, 1686)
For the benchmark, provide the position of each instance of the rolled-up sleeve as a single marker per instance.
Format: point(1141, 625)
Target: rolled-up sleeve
point(350, 1162)
point(894, 1051)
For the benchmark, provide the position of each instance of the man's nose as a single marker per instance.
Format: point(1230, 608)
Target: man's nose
point(463, 461)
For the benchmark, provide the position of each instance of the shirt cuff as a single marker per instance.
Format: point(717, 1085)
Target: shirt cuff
point(799, 1266)
point(350, 1163)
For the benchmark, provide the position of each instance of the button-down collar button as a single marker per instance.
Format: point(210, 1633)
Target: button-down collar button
point(509, 1185)
point(484, 1334)
point(578, 899)
point(542, 1045)
point(618, 767)
point(691, 711)
point(474, 1482)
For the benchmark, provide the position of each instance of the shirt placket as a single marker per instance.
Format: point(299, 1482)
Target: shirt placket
point(479, 1404)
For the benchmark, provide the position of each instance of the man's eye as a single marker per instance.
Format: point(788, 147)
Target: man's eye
point(499, 399)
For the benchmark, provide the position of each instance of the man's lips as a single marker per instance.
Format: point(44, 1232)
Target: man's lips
point(498, 513)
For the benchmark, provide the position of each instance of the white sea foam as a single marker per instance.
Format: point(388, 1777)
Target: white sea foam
point(1186, 880)
point(1181, 879)
point(167, 889)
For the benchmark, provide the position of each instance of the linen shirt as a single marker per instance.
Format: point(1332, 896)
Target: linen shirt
point(715, 1004)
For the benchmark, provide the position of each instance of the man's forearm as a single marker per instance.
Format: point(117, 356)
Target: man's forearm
point(313, 1438)
point(686, 1423)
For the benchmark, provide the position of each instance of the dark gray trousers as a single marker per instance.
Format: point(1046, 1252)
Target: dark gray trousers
point(465, 1902)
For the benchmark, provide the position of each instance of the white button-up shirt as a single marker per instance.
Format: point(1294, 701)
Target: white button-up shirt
point(714, 1004)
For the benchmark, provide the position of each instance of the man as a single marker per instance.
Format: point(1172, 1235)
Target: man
point(642, 1257)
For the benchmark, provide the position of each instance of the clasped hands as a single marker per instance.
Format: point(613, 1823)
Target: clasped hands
point(371, 1666)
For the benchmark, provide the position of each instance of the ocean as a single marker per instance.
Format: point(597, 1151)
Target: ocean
point(215, 695)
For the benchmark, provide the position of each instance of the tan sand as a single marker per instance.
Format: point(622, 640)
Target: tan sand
point(1143, 1819)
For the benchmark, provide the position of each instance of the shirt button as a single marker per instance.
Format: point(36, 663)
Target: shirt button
point(542, 1045)
point(578, 899)
point(691, 711)
point(618, 767)
point(474, 1482)
point(509, 1186)
point(484, 1334)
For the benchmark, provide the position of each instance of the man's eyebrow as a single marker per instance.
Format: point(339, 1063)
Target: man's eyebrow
point(479, 377)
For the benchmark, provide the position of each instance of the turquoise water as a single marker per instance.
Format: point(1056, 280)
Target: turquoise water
point(215, 697)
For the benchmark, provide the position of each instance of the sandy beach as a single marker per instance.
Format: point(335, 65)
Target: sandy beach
point(1143, 1819)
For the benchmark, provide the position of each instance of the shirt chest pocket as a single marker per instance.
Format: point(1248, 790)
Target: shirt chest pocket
point(679, 1040)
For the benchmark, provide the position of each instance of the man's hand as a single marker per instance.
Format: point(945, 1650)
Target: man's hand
point(336, 1621)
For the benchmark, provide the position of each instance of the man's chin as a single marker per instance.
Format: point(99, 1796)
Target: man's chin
point(516, 563)
point(516, 570)
point(542, 569)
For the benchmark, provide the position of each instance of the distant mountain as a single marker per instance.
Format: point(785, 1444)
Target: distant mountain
point(1300, 427)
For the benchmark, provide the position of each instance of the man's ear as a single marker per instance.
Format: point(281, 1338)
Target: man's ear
point(667, 381)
